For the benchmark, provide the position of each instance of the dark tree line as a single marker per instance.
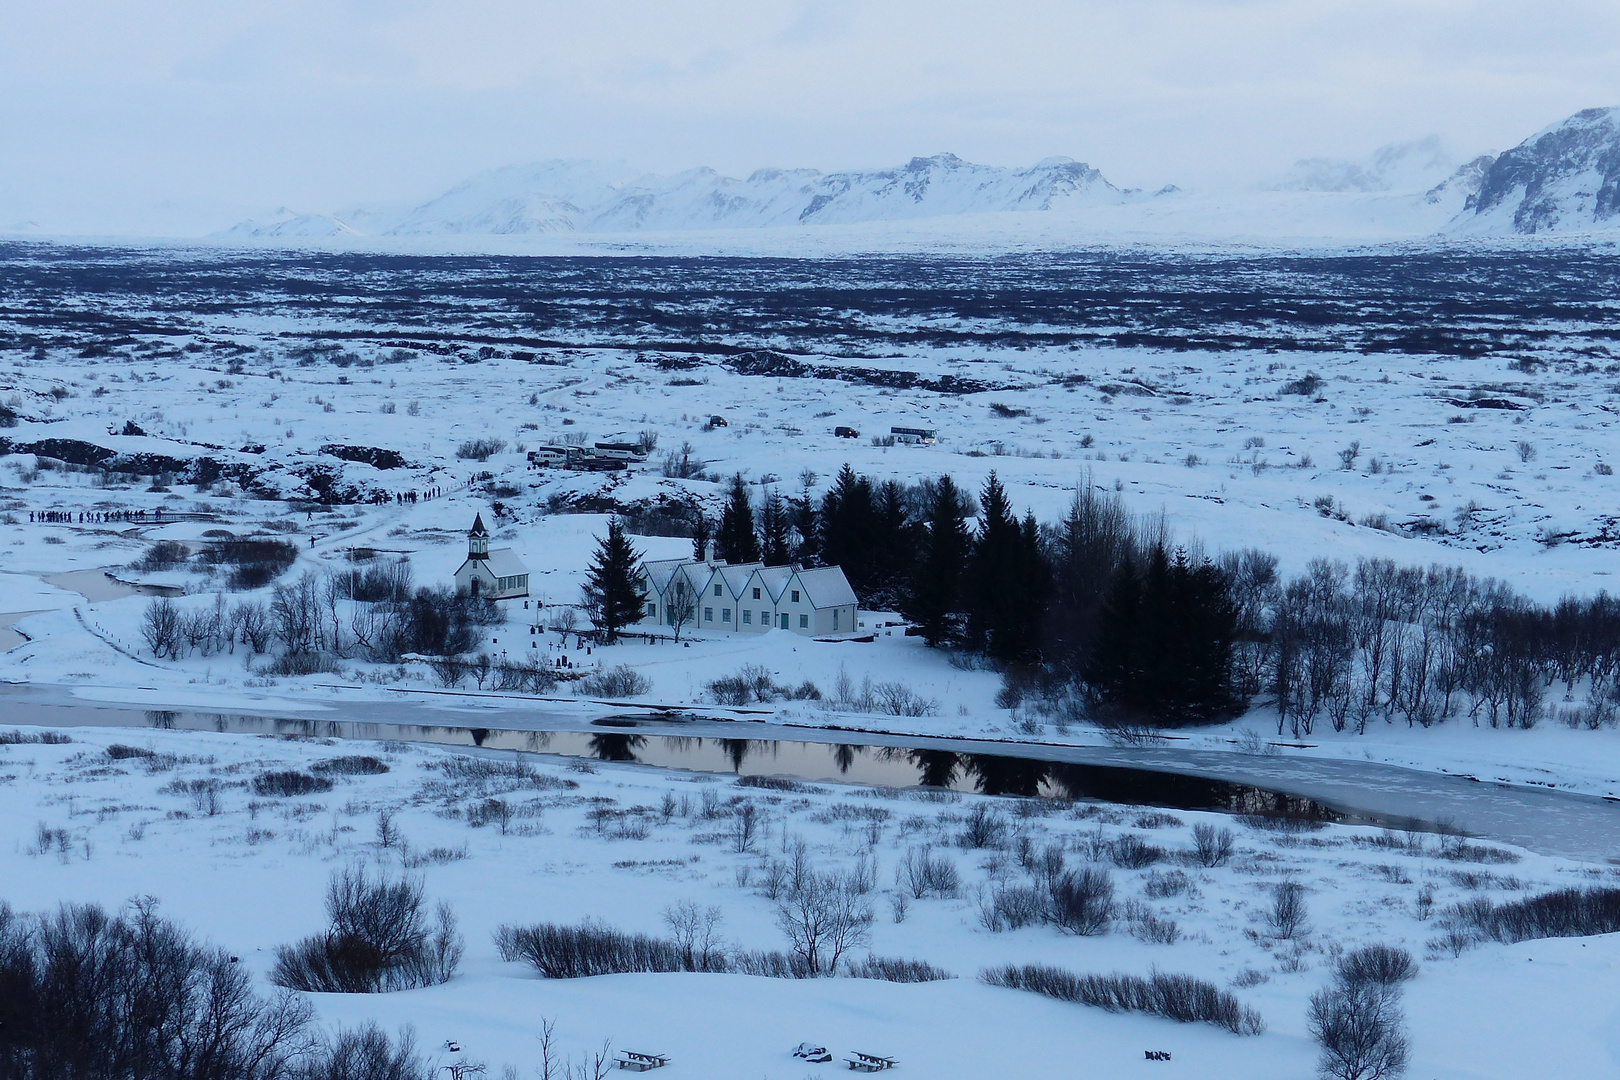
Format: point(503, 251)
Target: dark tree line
point(1102, 614)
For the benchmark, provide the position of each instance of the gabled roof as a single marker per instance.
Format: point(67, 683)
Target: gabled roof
point(660, 572)
point(775, 579)
point(736, 576)
point(503, 562)
point(826, 587)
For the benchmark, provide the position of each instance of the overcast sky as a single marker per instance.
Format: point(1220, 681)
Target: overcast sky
point(107, 110)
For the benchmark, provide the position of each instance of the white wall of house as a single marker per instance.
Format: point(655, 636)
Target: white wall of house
point(727, 602)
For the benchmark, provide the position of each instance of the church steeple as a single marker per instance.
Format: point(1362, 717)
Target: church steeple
point(478, 539)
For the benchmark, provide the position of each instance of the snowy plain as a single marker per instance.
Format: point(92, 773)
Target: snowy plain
point(1229, 418)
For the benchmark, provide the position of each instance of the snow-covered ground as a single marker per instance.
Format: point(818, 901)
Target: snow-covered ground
point(251, 875)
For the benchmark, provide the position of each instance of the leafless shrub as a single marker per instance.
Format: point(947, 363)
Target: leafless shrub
point(1560, 913)
point(1212, 847)
point(622, 681)
point(379, 940)
point(1360, 1030)
point(983, 828)
point(1007, 906)
point(825, 917)
point(1083, 901)
point(1288, 919)
point(696, 932)
point(89, 994)
point(1378, 964)
point(350, 765)
point(1147, 925)
point(889, 969)
point(923, 874)
point(1176, 997)
point(289, 783)
point(1131, 852)
point(15, 737)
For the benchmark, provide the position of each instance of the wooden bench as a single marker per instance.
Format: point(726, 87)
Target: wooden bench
point(630, 1059)
point(871, 1063)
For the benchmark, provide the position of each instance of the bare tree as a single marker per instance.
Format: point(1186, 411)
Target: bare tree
point(680, 606)
point(823, 919)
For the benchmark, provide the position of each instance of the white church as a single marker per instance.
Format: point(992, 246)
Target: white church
point(747, 598)
point(497, 575)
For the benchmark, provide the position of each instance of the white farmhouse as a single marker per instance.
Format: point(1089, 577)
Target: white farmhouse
point(748, 598)
point(498, 574)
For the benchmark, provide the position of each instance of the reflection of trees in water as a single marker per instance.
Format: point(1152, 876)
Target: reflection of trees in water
point(479, 734)
point(536, 740)
point(616, 747)
point(162, 719)
point(996, 775)
point(935, 768)
point(736, 751)
point(844, 755)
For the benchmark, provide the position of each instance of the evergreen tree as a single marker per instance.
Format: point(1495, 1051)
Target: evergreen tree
point(934, 599)
point(846, 528)
point(702, 533)
point(736, 541)
point(1095, 537)
point(614, 594)
point(776, 531)
point(1164, 650)
point(1008, 581)
point(894, 545)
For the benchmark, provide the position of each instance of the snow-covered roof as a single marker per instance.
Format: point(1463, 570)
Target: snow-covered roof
point(826, 587)
point(503, 562)
point(775, 579)
point(660, 572)
point(736, 575)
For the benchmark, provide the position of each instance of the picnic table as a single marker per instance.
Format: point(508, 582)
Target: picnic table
point(630, 1059)
point(871, 1063)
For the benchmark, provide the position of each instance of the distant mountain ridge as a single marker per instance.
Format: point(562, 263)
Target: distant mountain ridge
point(574, 196)
point(1564, 179)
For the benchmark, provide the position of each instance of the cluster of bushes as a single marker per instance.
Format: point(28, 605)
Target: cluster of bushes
point(289, 782)
point(380, 940)
point(91, 994)
point(754, 683)
point(374, 613)
point(480, 449)
point(1175, 997)
point(577, 952)
point(622, 681)
point(1560, 913)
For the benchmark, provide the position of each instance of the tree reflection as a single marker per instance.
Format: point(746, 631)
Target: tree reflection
point(844, 755)
point(616, 747)
point(996, 775)
point(936, 768)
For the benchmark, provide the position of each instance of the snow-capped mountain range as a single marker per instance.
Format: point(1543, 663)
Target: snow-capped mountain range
point(1562, 180)
point(582, 196)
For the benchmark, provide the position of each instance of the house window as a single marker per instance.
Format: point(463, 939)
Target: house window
point(708, 614)
point(835, 620)
point(804, 622)
point(748, 617)
point(764, 618)
point(756, 594)
point(795, 596)
point(717, 588)
point(725, 614)
point(652, 610)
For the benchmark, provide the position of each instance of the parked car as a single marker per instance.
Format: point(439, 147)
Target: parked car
point(845, 432)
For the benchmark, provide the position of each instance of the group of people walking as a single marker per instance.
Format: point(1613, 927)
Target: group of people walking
point(92, 517)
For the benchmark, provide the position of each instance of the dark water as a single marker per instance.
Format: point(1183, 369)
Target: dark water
point(1553, 303)
point(774, 760)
